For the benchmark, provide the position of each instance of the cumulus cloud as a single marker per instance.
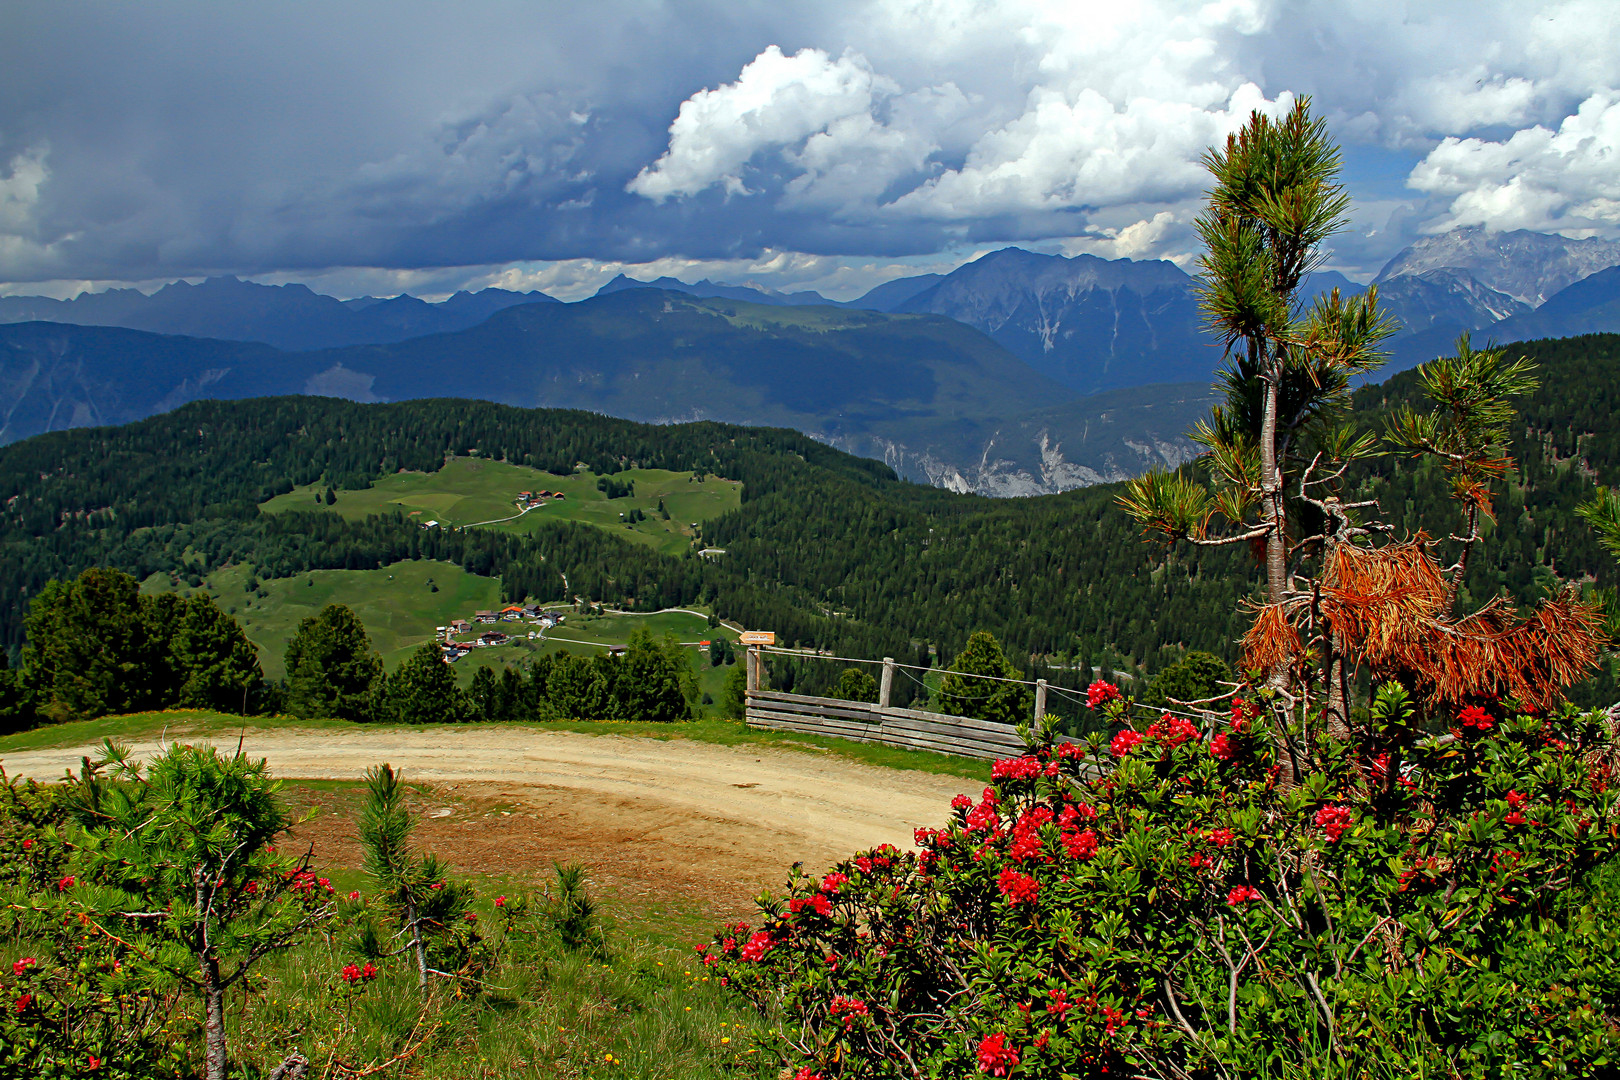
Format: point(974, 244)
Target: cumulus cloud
point(1537, 178)
point(777, 101)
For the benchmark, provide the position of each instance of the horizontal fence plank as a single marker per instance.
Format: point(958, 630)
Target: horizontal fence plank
point(807, 699)
point(867, 714)
point(968, 722)
point(839, 727)
point(911, 729)
point(813, 729)
point(895, 739)
point(934, 727)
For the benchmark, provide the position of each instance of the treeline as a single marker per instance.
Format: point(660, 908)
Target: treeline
point(333, 671)
point(97, 646)
point(828, 550)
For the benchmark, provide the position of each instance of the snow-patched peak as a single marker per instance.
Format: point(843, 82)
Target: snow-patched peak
point(1528, 266)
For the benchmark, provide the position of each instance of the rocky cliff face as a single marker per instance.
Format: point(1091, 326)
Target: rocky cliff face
point(1092, 324)
point(1529, 267)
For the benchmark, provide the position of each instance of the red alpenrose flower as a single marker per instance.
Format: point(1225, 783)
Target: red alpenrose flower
point(995, 1057)
point(1476, 718)
point(1334, 821)
point(1125, 742)
point(1018, 888)
point(1242, 894)
point(1101, 693)
point(1221, 747)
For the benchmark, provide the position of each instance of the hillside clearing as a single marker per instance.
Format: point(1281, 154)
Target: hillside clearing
point(470, 491)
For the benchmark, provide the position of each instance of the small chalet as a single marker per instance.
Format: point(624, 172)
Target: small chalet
point(460, 626)
point(511, 613)
point(492, 637)
point(484, 616)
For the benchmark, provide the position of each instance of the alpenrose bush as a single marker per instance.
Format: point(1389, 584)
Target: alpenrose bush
point(1158, 904)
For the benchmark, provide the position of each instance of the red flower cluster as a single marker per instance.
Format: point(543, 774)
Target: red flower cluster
point(882, 858)
point(1221, 747)
point(1222, 837)
point(983, 816)
point(757, 946)
point(1018, 888)
point(995, 1057)
point(1476, 718)
point(806, 1074)
point(1019, 768)
point(1199, 860)
point(850, 1009)
point(817, 903)
point(305, 882)
point(1515, 800)
point(24, 1001)
point(27, 845)
point(1081, 845)
point(834, 881)
point(65, 884)
point(1334, 821)
point(1113, 1020)
point(20, 968)
point(962, 802)
point(1060, 1004)
point(1242, 894)
point(1125, 742)
point(1172, 730)
point(353, 973)
point(1074, 812)
point(1026, 836)
point(1101, 693)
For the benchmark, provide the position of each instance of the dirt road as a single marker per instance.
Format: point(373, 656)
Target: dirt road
point(712, 823)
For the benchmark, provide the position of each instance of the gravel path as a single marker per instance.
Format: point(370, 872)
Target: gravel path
point(652, 808)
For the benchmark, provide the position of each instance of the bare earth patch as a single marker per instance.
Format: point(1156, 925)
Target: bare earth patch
point(708, 824)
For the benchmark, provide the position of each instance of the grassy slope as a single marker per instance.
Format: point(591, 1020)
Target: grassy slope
point(720, 732)
point(397, 604)
point(472, 490)
point(400, 610)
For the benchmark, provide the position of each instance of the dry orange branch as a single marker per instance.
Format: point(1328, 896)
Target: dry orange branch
point(1386, 610)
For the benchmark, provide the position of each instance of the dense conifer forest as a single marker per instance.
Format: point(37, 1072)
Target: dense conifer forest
point(827, 549)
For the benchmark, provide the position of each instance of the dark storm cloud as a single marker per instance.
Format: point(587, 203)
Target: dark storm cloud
point(165, 139)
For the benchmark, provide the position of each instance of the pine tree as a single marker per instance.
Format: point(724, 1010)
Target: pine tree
point(985, 698)
point(413, 885)
point(483, 703)
point(332, 670)
point(217, 666)
point(424, 690)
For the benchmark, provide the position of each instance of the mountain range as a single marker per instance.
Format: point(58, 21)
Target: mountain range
point(937, 400)
point(1016, 373)
point(287, 316)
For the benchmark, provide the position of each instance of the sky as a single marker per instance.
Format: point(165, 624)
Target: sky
point(375, 148)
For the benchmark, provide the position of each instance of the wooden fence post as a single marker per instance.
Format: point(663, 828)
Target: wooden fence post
point(753, 669)
point(1040, 699)
point(886, 687)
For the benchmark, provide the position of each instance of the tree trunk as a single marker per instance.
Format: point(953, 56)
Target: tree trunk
point(1272, 510)
point(214, 1022)
point(417, 944)
point(1274, 513)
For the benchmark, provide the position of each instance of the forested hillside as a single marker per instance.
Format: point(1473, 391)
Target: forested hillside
point(826, 548)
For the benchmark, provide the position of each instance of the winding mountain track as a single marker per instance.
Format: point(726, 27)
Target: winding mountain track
point(714, 823)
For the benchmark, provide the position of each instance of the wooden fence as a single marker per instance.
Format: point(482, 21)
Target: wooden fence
point(911, 729)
